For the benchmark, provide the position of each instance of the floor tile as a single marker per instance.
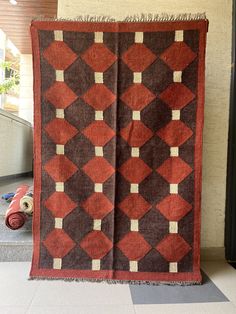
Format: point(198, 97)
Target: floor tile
point(59, 292)
point(164, 294)
point(193, 308)
point(13, 309)
point(102, 309)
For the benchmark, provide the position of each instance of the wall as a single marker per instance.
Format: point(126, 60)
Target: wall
point(218, 66)
point(16, 145)
point(26, 88)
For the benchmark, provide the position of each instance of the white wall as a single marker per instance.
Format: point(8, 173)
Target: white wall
point(218, 65)
point(16, 145)
point(26, 88)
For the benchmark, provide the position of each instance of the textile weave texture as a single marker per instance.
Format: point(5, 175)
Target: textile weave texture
point(118, 143)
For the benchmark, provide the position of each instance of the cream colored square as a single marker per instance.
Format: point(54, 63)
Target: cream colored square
point(98, 37)
point(137, 77)
point(173, 267)
point(60, 186)
point(174, 151)
point(57, 263)
point(59, 76)
point(135, 152)
point(98, 187)
point(58, 223)
point(96, 264)
point(133, 188)
point(98, 76)
point(138, 38)
point(136, 115)
point(58, 35)
point(98, 115)
point(97, 224)
point(173, 227)
point(60, 149)
point(98, 151)
point(133, 266)
point(179, 35)
point(175, 114)
point(134, 225)
point(173, 188)
point(60, 113)
point(177, 76)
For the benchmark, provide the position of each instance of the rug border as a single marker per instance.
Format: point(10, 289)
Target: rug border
point(195, 276)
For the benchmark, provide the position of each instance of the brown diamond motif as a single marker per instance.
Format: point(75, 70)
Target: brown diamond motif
point(173, 247)
point(134, 246)
point(98, 169)
point(135, 170)
point(137, 97)
point(99, 57)
point(60, 95)
point(60, 204)
point(99, 133)
point(96, 244)
point(60, 131)
point(175, 133)
point(59, 55)
point(58, 243)
point(174, 207)
point(99, 97)
point(60, 168)
point(136, 134)
point(138, 57)
point(174, 170)
point(97, 206)
point(134, 206)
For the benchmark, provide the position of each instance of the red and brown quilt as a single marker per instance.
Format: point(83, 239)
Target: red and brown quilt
point(118, 144)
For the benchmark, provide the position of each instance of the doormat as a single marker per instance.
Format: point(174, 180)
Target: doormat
point(117, 150)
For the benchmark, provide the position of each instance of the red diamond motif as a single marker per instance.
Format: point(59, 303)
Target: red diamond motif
point(136, 134)
point(177, 96)
point(99, 57)
point(58, 243)
point(60, 204)
point(97, 206)
point(134, 246)
point(174, 207)
point(137, 97)
point(175, 133)
point(98, 169)
point(60, 168)
point(138, 57)
point(134, 170)
point(99, 133)
point(178, 56)
point(173, 247)
point(134, 206)
point(59, 55)
point(96, 244)
point(99, 97)
point(174, 170)
point(60, 95)
point(60, 131)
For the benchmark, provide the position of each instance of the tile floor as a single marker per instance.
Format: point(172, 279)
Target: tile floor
point(19, 295)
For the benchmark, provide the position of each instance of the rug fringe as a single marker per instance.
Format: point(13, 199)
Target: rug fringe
point(142, 17)
point(113, 281)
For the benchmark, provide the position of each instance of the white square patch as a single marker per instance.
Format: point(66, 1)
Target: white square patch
point(58, 223)
point(96, 264)
point(60, 149)
point(97, 224)
point(136, 115)
point(133, 266)
point(175, 114)
point(60, 113)
point(135, 152)
point(57, 263)
point(134, 225)
point(138, 38)
point(98, 187)
point(60, 186)
point(59, 76)
point(137, 77)
point(173, 227)
point(173, 267)
point(98, 37)
point(179, 35)
point(98, 151)
point(177, 76)
point(58, 35)
point(133, 188)
point(173, 188)
point(174, 151)
point(98, 115)
point(98, 77)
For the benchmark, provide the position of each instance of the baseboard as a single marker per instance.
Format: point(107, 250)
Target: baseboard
point(15, 176)
point(212, 253)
